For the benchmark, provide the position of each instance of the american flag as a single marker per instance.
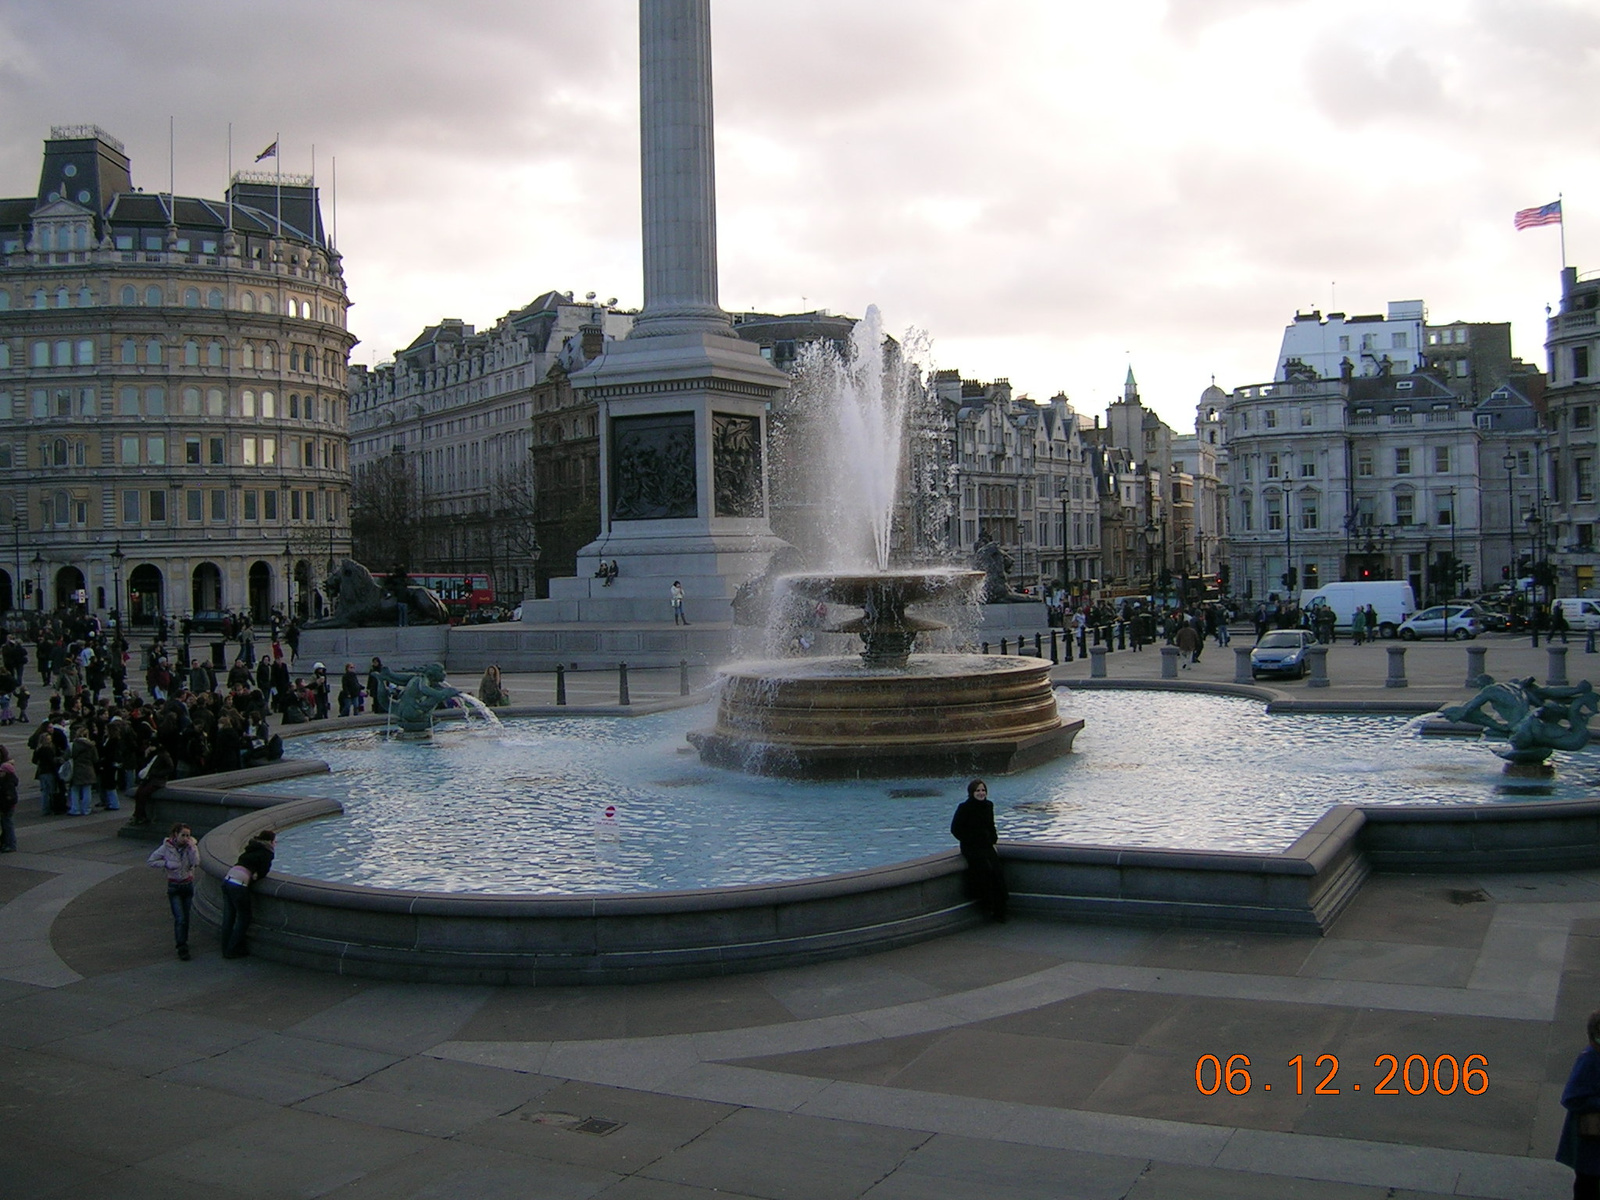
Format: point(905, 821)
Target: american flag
point(1545, 214)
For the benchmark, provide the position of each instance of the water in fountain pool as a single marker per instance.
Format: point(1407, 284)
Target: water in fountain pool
point(518, 810)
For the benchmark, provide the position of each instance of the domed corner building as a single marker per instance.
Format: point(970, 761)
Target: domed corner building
point(172, 393)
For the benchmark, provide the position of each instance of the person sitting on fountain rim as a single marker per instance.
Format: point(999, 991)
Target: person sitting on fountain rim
point(973, 827)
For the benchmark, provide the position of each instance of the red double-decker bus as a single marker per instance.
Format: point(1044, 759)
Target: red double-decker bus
point(461, 594)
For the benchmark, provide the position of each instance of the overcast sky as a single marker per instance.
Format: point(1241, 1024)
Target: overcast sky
point(1051, 188)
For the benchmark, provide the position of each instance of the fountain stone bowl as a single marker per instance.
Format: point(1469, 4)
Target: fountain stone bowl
point(887, 714)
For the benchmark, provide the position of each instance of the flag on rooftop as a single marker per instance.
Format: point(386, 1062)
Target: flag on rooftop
point(1545, 214)
point(272, 152)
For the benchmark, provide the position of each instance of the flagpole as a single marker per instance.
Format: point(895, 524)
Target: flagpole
point(333, 234)
point(314, 205)
point(172, 169)
point(1563, 231)
point(230, 176)
point(277, 144)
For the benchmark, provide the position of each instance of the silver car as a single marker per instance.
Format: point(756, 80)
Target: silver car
point(1282, 652)
point(1441, 620)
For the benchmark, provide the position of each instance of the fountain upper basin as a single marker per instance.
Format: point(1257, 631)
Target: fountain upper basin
point(940, 714)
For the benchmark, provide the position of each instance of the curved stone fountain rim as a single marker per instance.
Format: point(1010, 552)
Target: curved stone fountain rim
point(628, 937)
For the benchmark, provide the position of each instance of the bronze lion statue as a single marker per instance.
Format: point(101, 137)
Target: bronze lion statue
point(360, 600)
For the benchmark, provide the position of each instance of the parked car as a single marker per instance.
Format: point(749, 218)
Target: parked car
point(209, 621)
point(1282, 652)
point(1440, 621)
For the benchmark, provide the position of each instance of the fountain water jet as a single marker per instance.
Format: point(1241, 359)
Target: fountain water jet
point(885, 713)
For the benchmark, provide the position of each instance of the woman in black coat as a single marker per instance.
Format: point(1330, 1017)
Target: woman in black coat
point(973, 827)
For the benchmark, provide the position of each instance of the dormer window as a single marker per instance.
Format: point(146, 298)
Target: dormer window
point(1403, 385)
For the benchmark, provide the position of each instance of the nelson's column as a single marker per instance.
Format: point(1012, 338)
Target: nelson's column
point(683, 402)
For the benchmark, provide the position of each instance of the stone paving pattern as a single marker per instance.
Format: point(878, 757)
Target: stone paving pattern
point(1032, 1059)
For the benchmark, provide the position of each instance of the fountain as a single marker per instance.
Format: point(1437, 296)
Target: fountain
point(888, 713)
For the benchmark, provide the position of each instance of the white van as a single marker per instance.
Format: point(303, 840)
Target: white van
point(1393, 600)
point(1582, 615)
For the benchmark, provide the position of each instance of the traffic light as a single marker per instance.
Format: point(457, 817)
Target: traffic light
point(1290, 578)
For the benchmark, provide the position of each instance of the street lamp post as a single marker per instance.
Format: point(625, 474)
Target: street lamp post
point(1509, 462)
point(38, 578)
point(116, 583)
point(16, 543)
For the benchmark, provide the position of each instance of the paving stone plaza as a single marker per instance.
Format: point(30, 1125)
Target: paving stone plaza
point(1034, 1058)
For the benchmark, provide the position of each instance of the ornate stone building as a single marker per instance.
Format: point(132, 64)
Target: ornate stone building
point(172, 391)
point(471, 451)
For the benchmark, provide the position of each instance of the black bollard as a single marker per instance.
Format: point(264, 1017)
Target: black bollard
point(1083, 643)
point(1038, 644)
point(622, 685)
point(1095, 633)
point(683, 677)
point(561, 684)
point(1055, 647)
point(986, 647)
point(1122, 635)
point(1004, 643)
point(1588, 643)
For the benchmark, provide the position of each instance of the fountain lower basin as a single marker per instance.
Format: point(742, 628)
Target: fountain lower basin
point(940, 714)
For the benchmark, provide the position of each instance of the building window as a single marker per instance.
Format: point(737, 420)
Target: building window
point(1274, 513)
point(85, 352)
point(219, 505)
point(128, 402)
point(152, 296)
point(1402, 461)
point(269, 506)
point(1308, 469)
point(213, 297)
point(1404, 510)
point(41, 354)
point(1399, 342)
point(251, 511)
point(129, 294)
point(1444, 510)
point(191, 402)
point(152, 353)
point(192, 506)
point(1308, 512)
point(1580, 362)
point(155, 402)
point(1582, 417)
point(158, 506)
point(1441, 459)
point(130, 352)
point(1271, 419)
point(1583, 477)
point(191, 354)
point(130, 508)
point(214, 402)
point(247, 450)
point(294, 506)
point(1462, 368)
point(130, 450)
point(191, 451)
point(155, 451)
point(1273, 467)
point(269, 451)
point(1305, 418)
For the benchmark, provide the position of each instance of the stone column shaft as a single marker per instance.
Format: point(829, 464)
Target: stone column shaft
point(678, 170)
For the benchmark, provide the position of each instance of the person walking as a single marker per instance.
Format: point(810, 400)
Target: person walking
point(1558, 624)
point(8, 802)
point(1579, 1147)
point(255, 861)
point(1188, 642)
point(179, 856)
point(973, 827)
point(677, 604)
point(1358, 626)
